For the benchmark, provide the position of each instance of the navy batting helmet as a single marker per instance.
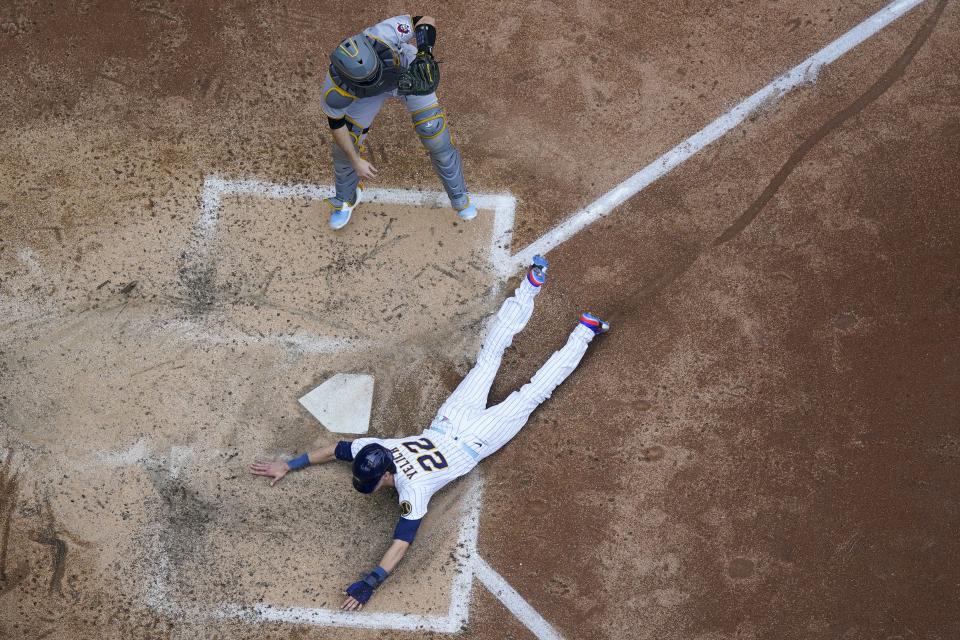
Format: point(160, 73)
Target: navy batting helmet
point(369, 465)
point(357, 61)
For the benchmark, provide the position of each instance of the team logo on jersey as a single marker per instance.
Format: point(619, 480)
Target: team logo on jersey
point(402, 28)
point(405, 508)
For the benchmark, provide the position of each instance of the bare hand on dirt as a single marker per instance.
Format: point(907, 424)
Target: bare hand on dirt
point(364, 169)
point(351, 604)
point(275, 469)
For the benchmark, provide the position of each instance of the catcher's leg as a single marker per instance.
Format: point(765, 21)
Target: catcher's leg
point(359, 116)
point(499, 424)
point(470, 396)
point(345, 177)
point(431, 125)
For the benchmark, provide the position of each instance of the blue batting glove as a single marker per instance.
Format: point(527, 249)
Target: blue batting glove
point(361, 590)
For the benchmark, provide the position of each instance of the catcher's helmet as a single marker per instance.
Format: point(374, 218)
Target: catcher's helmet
point(357, 61)
point(369, 465)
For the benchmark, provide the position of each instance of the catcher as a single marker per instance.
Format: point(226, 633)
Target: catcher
point(365, 70)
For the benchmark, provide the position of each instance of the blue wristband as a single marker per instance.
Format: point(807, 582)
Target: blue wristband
point(376, 577)
point(299, 462)
point(342, 451)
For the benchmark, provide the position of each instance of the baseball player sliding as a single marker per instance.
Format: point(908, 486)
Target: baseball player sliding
point(365, 70)
point(464, 432)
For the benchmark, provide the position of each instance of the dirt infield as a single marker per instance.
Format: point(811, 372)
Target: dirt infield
point(765, 446)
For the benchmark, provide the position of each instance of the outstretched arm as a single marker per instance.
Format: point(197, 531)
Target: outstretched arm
point(359, 592)
point(276, 469)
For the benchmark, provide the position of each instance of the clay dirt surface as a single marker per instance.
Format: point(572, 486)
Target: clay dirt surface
point(766, 445)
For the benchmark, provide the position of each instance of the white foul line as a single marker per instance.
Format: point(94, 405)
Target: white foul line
point(804, 73)
point(513, 601)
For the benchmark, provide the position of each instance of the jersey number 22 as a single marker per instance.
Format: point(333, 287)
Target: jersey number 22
point(429, 461)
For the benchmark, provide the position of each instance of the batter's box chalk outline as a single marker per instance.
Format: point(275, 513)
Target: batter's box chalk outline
point(216, 188)
point(469, 566)
point(503, 206)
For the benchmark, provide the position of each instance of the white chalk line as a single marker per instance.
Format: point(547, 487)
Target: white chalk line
point(804, 73)
point(300, 340)
point(513, 601)
point(503, 207)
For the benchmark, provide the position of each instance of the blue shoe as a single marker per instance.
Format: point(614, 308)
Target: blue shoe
point(594, 323)
point(469, 212)
point(537, 274)
point(340, 216)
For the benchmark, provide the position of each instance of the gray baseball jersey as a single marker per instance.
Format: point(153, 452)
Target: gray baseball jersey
point(429, 119)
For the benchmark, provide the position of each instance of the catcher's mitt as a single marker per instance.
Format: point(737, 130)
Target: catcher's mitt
point(421, 78)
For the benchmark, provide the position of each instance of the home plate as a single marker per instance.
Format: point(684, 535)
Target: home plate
point(342, 403)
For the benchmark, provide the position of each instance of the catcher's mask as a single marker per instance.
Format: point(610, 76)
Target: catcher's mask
point(357, 61)
point(369, 465)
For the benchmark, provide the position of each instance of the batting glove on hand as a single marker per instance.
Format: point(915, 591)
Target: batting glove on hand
point(362, 590)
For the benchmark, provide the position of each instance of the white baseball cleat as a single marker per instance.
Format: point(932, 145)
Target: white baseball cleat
point(469, 212)
point(340, 216)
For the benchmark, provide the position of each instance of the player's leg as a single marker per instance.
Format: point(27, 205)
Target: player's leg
point(471, 394)
point(499, 424)
point(359, 116)
point(431, 126)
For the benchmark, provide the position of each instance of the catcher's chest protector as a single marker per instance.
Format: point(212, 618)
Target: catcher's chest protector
point(388, 79)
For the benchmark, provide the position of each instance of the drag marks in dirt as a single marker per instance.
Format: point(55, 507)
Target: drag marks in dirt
point(46, 535)
point(9, 488)
point(889, 77)
point(886, 80)
point(802, 74)
point(203, 286)
point(58, 546)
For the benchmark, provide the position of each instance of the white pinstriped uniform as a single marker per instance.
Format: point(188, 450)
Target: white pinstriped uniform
point(465, 430)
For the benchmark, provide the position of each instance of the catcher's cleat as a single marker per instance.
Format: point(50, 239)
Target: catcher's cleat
point(594, 323)
point(537, 273)
point(469, 212)
point(340, 216)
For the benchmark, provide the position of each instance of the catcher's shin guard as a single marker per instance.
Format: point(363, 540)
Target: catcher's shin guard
point(345, 177)
point(431, 126)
